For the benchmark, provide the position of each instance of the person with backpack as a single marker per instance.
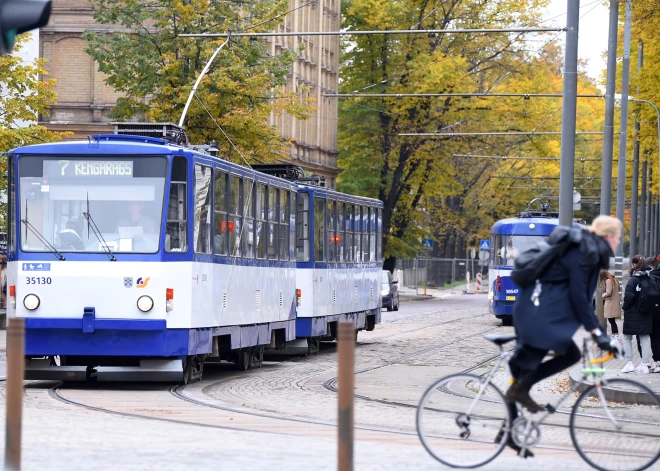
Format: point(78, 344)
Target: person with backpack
point(641, 298)
point(655, 320)
point(610, 286)
point(557, 286)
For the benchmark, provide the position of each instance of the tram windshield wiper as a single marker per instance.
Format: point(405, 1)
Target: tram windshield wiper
point(39, 236)
point(91, 224)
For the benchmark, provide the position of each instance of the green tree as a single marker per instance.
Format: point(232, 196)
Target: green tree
point(155, 69)
point(426, 188)
point(23, 97)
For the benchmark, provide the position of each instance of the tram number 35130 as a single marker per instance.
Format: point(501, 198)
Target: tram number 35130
point(38, 280)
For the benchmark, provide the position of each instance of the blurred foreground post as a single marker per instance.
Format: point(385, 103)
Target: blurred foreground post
point(346, 376)
point(15, 371)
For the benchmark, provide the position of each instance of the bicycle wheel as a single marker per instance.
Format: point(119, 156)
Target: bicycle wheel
point(458, 427)
point(617, 426)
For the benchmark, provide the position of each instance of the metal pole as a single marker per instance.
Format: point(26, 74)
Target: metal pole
point(623, 129)
point(567, 164)
point(656, 240)
point(346, 376)
point(502, 133)
point(642, 213)
point(633, 202)
point(608, 129)
point(653, 214)
point(635, 182)
point(15, 371)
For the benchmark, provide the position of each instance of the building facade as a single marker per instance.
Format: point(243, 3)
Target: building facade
point(85, 101)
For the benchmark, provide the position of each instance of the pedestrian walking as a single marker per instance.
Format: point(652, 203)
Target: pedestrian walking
point(639, 301)
point(610, 286)
point(655, 320)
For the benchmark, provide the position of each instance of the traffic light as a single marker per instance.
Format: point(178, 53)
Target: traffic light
point(20, 16)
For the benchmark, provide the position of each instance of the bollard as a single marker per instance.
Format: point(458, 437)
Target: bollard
point(467, 282)
point(346, 376)
point(478, 282)
point(15, 374)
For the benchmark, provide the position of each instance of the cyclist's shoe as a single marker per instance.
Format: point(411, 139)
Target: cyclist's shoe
point(520, 393)
point(511, 444)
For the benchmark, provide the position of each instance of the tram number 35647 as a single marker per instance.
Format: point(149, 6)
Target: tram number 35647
point(38, 280)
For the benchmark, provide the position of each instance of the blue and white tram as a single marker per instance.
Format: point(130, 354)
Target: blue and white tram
point(508, 238)
point(339, 262)
point(135, 259)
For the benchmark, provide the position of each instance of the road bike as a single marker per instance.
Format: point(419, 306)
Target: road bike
point(464, 421)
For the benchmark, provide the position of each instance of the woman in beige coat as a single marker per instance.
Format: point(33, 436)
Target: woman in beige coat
point(610, 286)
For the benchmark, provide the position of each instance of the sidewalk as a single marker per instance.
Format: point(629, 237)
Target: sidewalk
point(407, 294)
point(613, 368)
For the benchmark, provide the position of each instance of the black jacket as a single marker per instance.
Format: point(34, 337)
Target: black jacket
point(655, 275)
point(635, 322)
point(565, 300)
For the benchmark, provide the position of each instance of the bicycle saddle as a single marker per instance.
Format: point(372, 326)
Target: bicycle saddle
point(501, 339)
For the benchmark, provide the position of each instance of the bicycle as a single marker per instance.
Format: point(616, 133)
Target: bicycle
point(614, 423)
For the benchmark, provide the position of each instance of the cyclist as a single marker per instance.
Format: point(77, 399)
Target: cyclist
point(562, 302)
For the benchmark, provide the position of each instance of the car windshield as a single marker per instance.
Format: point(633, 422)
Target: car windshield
point(508, 247)
point(386, 278)
point(123, 196)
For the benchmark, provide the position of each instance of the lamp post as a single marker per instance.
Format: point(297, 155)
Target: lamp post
point(657, 112)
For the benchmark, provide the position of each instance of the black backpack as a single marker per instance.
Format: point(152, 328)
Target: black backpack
point(648, 298)
point(533, 263)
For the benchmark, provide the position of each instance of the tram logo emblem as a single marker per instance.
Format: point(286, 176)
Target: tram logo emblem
point(142, 283)
point(128, 281)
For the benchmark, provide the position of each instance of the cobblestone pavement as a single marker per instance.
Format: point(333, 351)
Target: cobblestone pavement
point(280, 414)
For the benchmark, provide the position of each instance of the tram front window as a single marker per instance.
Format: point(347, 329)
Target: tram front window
point(508, 247)
point(123, 197)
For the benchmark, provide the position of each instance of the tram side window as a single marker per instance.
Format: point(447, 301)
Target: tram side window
point(341, 231)
point(372, 234)
point(261, 220)
point(365, 234)
point(284, 224)
point(332, 231)
point(291, 221)
point(273, 208)
point(357, 225)
point(248, 218)
point(379, 235)
point(319, 229)
point(202, 221)
point(235, 216)
point(302, 227)
point(348, 239)
point(177, 217)
point(220, 222)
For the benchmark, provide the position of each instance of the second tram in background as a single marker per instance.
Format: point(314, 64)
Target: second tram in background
point(509, 238)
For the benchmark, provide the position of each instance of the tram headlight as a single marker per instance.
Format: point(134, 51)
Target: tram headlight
point(145, 303)
point(31, 302)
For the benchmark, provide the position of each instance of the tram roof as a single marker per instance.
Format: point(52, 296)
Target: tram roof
point(114, 144)
point(339, 195)
point(521, 226)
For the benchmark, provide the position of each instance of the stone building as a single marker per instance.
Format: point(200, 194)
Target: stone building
point(85, 100)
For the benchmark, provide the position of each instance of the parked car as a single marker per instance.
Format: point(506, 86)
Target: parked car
point(390, 292)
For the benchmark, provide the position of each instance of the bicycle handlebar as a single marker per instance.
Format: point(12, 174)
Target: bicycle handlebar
point(606, 358)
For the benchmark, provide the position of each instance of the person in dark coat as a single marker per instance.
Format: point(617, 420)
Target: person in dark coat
point(547, 314)
point(636, 322)
point(655, 320)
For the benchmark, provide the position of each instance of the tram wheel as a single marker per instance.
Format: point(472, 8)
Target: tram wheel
point(243, 359)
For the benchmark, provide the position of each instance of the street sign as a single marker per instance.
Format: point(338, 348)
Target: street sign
point(427, 244)
point(484, 256)
point(484, 245)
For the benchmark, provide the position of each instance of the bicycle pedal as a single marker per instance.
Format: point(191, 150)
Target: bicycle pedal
point(550, 408)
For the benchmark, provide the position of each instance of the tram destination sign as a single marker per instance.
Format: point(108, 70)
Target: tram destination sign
point(88, 168)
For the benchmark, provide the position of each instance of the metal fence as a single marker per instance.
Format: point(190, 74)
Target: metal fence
point(439, 273)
